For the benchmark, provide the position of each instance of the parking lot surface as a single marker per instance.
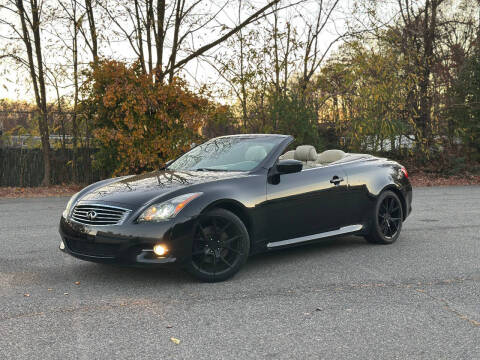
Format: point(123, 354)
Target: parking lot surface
point(341, 298)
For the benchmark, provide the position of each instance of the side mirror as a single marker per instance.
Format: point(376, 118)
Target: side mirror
point(289, 166)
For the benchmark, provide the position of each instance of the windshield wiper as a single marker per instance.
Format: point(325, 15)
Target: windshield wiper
point(209, 169)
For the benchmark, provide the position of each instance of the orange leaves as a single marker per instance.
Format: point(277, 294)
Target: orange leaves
point(140, 124)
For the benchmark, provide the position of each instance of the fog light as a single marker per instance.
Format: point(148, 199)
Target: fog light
point(62, 245)
point(159, 250)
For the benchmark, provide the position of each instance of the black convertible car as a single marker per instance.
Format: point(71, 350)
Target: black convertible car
point(234, 196)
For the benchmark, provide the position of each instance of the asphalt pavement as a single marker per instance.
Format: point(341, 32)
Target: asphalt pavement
point(339, 299)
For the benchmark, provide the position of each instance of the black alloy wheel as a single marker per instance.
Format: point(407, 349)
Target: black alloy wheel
point(388, 218)
point(221, 245)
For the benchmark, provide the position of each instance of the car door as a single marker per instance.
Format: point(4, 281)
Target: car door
point(306, 203)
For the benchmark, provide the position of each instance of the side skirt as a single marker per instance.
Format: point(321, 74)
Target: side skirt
point(343, 230)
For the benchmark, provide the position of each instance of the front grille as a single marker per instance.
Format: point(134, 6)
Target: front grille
point(91, 249)
point(99, 214)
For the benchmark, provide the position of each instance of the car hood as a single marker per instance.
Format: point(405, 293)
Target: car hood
point(139, 189)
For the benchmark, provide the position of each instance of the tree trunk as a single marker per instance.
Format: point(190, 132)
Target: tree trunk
point(430, 23)
point(75, 95)
point(173, 56)
point(139, 37)
point(285, 62)
point(242, 80)
point(276, 115)
point(62, 120)
point(148, 28)
point(159, 38)
point(38, 80)
point(93, 30)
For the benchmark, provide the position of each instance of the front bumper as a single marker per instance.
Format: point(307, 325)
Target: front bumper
point(129, 243)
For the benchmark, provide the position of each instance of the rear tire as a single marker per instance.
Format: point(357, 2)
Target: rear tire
point(220, 248)
point(387, 219)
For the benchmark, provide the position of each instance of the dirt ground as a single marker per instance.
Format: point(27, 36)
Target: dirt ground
point(30, 192)
point(418, 179)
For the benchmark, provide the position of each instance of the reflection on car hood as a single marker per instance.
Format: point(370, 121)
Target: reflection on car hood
point(139, 189)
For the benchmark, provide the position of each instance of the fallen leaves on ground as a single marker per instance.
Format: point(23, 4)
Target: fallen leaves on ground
point(421, 178)
point(175, 340)
point(41, 191)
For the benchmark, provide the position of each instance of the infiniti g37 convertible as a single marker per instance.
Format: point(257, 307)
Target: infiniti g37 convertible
point(232, 197)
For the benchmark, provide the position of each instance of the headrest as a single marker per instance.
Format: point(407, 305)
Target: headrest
point(305, 153)
point(287, 155)
point(255, 153)
point(329, 156)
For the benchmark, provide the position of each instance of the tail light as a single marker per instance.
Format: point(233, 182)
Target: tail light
point(404, 171)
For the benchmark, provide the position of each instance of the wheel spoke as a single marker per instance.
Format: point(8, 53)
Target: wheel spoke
point(225, 261)
point(202, 230)
point(384, 227)
point(215, 227)
point(391, 203)
point(222, 230)
point(232, 239)
point(214, 263)
point(232, 249)
point(206, 257)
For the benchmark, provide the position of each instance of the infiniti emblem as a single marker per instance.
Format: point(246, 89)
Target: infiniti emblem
point(91, 215)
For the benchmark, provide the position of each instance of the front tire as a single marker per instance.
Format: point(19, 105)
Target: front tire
point(221, 246)
point(387, 219)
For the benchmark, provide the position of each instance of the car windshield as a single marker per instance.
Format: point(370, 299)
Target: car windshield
point(234, 153)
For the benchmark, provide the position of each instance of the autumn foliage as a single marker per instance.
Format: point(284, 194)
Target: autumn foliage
point(140, 124)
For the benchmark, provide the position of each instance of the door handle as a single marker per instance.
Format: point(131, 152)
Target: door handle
point(336, 180)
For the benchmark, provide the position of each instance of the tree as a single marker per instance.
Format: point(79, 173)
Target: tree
point(241, 69)
point(140, 124)
point(362, 92)
point(178, 21)
point(30, 18)
point(92, 43)
point(313, 53)
point(465, 111)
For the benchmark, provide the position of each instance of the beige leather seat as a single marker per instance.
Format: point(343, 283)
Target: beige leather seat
point(307, 155)
point(329, 156)
point(287, 155)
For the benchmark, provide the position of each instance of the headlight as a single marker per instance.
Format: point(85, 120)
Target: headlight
point(69, 205)
point(168, 209)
